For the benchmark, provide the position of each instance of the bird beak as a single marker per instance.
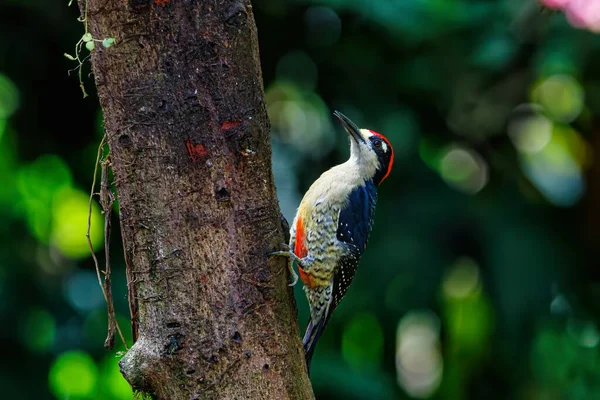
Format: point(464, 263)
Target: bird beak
point(350, 127)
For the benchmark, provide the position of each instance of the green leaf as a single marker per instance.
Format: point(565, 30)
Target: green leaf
point(108, 42)
point(90, 46)
point(87, 37)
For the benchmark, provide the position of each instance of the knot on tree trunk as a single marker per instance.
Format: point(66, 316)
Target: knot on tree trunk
point(137, 365)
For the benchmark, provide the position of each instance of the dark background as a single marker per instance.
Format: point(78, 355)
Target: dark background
point(481, 279)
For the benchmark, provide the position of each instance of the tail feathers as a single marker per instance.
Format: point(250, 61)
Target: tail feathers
point(313, 333)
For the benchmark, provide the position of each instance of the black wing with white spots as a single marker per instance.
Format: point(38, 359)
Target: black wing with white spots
point(354, 226)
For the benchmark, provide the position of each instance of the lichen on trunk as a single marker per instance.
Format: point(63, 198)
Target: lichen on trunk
point(184, 114)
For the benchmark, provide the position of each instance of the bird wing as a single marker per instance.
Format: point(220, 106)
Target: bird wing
point(354, 225)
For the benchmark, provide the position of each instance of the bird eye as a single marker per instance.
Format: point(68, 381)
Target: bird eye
point(377, 143)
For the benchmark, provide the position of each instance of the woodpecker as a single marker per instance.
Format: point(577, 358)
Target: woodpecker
point(331, 227)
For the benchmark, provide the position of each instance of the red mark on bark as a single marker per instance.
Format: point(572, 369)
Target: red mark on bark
point(227, 168)
point(196, 151)
point(204, 279)
point(230, 125)
point(161, 2)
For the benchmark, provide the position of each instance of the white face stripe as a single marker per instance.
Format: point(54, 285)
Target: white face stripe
point(367, 134)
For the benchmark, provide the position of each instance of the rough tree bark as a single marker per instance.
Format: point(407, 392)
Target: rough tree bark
point(188, 132)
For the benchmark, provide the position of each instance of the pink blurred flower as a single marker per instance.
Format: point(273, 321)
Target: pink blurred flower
point(580, 13)
point(555, 3)
point(584, 14)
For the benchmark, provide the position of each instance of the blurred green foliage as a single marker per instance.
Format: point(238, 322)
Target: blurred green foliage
point(481, 277)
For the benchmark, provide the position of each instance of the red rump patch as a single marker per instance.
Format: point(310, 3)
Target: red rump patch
point(301, 251)
point(300, 248)
point(305, 278)
point(391, 156)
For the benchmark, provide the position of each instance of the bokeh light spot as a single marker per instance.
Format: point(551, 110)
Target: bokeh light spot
point(464, 169)
point(73, 374)
point(362, 342)
point(462, 279)
point(531, 133)
point(561, 96)
point(69, 224)
point(300, 119)
point(560, 306)
point(419, 363)
point(584, 332)
point(9, 97)
point(39, 330)
point(83, 292)
point(556, 170)
point(38, 184)
point(468, 314)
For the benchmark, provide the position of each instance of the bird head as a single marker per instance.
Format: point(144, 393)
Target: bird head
point(370, 151)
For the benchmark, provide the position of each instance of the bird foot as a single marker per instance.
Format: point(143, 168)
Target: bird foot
point(291, 257)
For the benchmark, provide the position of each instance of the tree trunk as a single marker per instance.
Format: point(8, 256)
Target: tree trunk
point(186, 123)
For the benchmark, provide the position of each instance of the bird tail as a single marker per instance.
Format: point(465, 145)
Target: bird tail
point(313, 333)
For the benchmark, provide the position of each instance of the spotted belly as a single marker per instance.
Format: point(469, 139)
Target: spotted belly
point(316, 238)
